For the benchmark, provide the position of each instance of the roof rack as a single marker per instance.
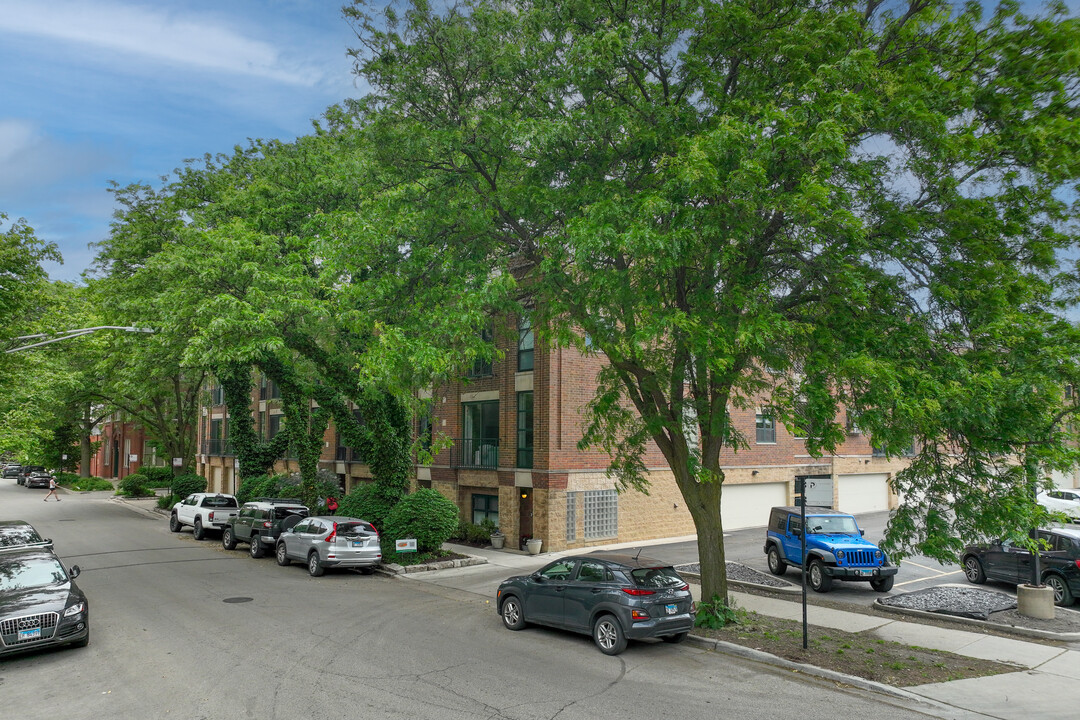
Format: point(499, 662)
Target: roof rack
point(289, 501)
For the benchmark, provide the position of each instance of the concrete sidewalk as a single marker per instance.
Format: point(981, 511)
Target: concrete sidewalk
point(1041, 688)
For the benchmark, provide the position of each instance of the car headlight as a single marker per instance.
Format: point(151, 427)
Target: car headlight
point(839, 554)
point(877, 554)
point(75, 609)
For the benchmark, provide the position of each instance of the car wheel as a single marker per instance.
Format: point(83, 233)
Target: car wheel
point(608, 635)
point(82, 643)
point(174, 523)
point(228, 540)
point(512, 616)
point(255, 547)
point(776, 565)
point(198, 531)
point(883, 584)
point(1062, 595)
point(973, 569)
point(314, 567)
point(818, 580)
point(676, 638)
point(281, 555)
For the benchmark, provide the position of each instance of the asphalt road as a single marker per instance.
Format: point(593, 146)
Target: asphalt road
point(169, 640)
point(747, 547)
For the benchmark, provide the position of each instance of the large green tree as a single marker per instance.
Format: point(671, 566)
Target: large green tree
point(755, 202)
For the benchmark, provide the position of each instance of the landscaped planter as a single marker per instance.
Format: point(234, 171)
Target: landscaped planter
point(533, 545)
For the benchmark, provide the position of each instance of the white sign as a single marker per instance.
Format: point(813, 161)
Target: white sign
point(408, 545)
point(133, 458)
point(178, 462)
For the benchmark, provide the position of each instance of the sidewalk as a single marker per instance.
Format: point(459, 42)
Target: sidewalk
point(1041, 689)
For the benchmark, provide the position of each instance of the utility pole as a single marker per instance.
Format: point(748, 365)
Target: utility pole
point(68, 334)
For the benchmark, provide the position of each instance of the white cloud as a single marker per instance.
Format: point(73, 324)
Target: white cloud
point(174, 38)
point(30, 160)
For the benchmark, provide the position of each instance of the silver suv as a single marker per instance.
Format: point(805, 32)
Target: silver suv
point(327, 542)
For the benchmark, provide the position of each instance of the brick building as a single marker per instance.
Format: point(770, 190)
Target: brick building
point(123, 449)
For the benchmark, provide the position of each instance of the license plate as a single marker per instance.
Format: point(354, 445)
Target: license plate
point(31, 634)
point(672, 609)
point(357, 543)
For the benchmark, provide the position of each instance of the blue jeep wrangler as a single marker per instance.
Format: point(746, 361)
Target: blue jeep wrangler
point(835, 549)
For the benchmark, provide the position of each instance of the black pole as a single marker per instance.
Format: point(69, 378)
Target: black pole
point(802, 542)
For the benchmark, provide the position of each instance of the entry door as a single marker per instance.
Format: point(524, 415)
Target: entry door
point(525, 512)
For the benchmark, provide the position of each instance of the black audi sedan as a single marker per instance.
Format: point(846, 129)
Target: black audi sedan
point(40, 604)
point(1005, 561)
point(611, 596)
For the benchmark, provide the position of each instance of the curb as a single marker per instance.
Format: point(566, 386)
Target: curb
point(393, 569)
point(878, 606)
point(761, 656)
point(787, 589)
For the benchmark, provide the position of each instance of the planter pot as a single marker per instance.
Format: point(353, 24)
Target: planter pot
point(1035, 602)
point(497, 541)
point(533, 546)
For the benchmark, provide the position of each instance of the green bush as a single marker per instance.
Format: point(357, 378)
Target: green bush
point(473, 533)
point(425, 515)
point(73, 482)
point(157, 477)
point(134, 485)
point(261, 486)
point(368, 503)
point(167, 501)
point(184, 485)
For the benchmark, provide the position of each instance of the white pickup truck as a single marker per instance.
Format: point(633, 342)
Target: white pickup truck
point(203, 511)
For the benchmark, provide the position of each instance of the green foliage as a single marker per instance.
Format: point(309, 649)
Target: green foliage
point(157, 477)
point(167, 501)
point(718, 613)
point(312, 494)
point(262, 486)
point(81, 484)
point(134, 485)
point(368, 502)
point(425, 515)
point(474, 533)
point(184, 485)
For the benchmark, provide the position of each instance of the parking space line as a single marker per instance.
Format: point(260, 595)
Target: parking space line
point(925, 579)
point(924, 567)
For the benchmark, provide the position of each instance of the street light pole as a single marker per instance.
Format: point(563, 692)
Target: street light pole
point(68, 334)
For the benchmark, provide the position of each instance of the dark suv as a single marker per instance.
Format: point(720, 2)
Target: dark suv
point(835, 549)
point(259, 523)
point(26, 471)
point(1006, 561)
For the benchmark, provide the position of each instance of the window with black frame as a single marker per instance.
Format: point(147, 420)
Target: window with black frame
point(525, 429)
point(526, 344)
point(480, 366)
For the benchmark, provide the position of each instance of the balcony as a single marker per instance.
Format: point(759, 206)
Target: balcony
point(479, 453)
point(217, 446)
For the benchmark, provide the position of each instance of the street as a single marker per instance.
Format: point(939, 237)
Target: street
point(172, 635)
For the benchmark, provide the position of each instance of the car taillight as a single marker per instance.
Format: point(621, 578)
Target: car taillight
point(638, 591)
point(332, 536)
point(685, 588)
point(266, 523)
point(374, 529)
point(639, 615)
point(211, 516)
point(1078, 564)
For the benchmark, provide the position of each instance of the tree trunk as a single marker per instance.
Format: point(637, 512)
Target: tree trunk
point(703, 501)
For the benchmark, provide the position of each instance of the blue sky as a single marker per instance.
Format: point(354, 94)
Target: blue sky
point(126, 90)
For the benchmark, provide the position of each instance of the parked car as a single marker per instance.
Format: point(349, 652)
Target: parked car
point(13, 471)
point(260, 523)
point(1063, 501)
point(38, 479)
point(1006, 561)
point(27, 470)
point(326, 542)
point(40, 604)
point(611, 596)
point(21, 535)
point(203, 511)
point(835, 549)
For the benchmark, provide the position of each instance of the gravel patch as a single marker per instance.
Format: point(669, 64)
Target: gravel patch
point(959, 601)
point(741, 573)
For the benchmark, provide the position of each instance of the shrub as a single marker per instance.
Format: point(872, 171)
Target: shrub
point(262, 486)
point(134, 485)
point(184, 485)
point(81, 484)
point(425, 515)
point(157, 477)
point(367, 502)
point(167, 501)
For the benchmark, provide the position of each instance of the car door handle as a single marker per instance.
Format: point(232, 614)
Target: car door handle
point(560, 588)
point(597, 591)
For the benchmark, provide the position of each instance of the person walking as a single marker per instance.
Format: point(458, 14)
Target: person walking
point(52, 490)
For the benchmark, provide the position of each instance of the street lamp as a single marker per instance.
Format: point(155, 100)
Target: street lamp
point(68, 334)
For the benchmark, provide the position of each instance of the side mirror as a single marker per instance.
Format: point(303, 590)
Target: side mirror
point(797, 532)
point(862, 532)
point(74, 571)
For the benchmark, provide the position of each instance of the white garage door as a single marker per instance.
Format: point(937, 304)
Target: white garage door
point(863, 493)
point(744, 506)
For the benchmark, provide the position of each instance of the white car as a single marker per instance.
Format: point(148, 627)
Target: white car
point(1065, 501)
point(203, 511)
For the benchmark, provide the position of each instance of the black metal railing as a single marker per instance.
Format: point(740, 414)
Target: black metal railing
point(217, 446)
point(480, 453)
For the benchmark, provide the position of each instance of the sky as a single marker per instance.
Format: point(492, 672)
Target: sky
point(93, 91)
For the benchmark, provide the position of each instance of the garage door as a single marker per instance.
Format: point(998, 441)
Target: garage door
point(863, 493)
point(744, 506)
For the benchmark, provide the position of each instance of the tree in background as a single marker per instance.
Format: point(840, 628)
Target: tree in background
point(798, 206)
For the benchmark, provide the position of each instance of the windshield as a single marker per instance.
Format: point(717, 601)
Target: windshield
point(18, 535)
point(833, 525)
point(22, 574)
point(660, 577)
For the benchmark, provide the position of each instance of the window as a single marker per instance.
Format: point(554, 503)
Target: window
point(571, 515)
point(426, 432)
point(216, 441)
point(591, 571)
point(526, 342)
point(482, 367)
point(480, 444)
point(601, 514)
point(766, 428)
point(485, 507)
point(525, 429)
point(273, 426)
point(217, 395)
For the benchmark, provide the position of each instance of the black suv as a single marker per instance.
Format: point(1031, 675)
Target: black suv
point(259, 523)
point(1006, 561)
point(26, 471)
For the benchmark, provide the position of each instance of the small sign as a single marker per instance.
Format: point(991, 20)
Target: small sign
point(63, 457)
point(407, 545)
point(133, 458)
point(178, 462)
point(800, 484)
